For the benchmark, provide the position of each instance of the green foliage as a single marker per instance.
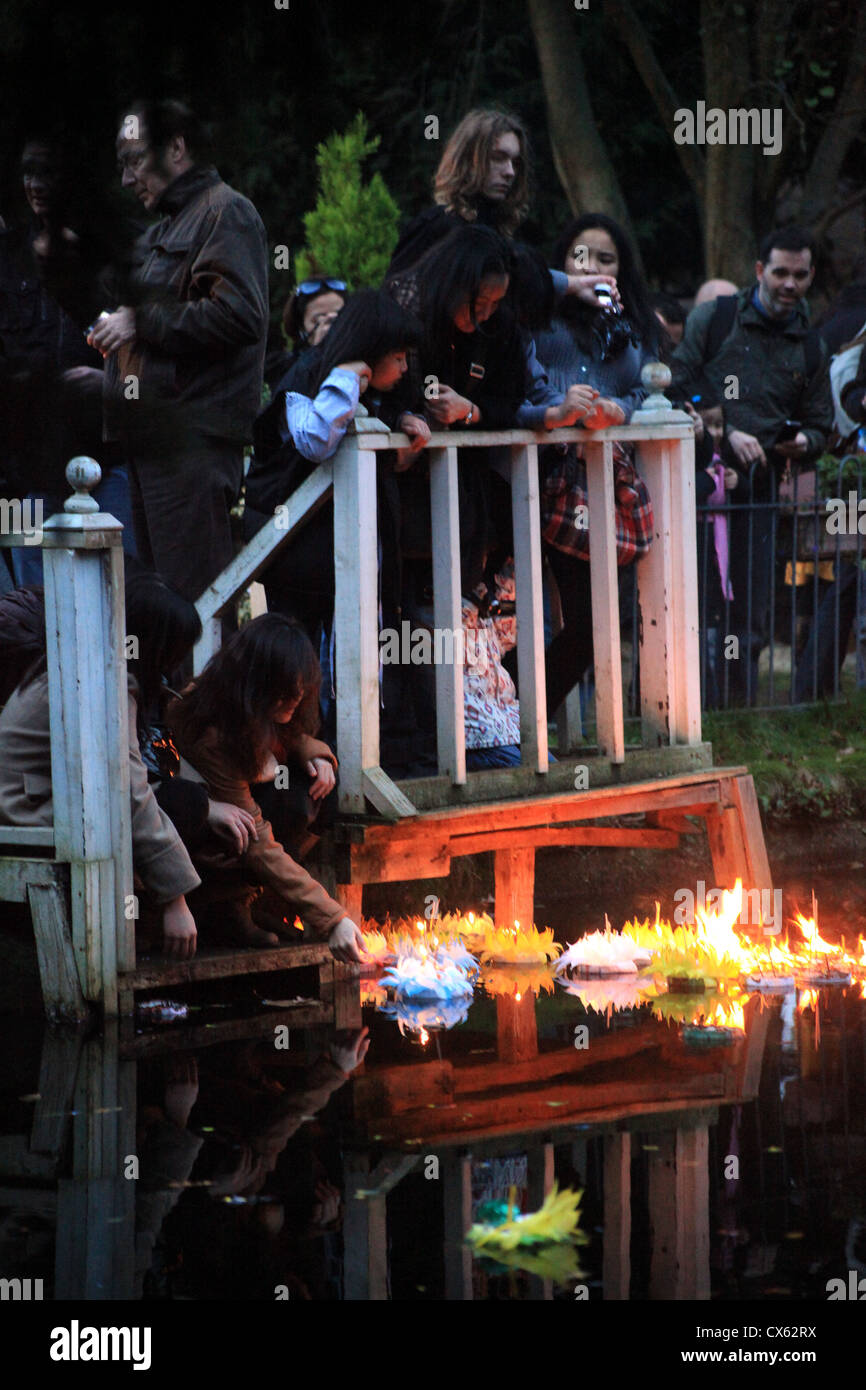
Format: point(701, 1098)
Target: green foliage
point(352, 230)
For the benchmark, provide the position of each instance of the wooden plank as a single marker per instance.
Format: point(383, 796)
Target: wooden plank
point(208, 644)
point(694, 790)
point(686, 707)
point(548, 1105)
point(340, 989)
point(365, 1236)
point(58, 1068)
point(496, 784)
point(480, 439)
point(399, 860)
point(743, 791)
point(447, 613)
point(258, 553)
point(727, 846)
point(316, 1014)
point(385, 795)
point(355, 620)
point(61, 988)
point(516, 1028)
point(616, 1257)
point(212, 963)
point(514, 872)
point(18, 875)
point(457, 1206)
point(571, 835)
point(679, 1216)
point(27, 836)
point(541, 1175)
point(756, 1016)
point(605, 601)
point(657, 604)
point(563, 1062)
point(526, 526)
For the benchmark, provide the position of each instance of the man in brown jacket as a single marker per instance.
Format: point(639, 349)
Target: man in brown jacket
point(184, 359)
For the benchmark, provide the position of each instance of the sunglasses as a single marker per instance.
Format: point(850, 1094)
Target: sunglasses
point(318, 286)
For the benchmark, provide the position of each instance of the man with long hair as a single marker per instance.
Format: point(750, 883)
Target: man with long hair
point(483, 177)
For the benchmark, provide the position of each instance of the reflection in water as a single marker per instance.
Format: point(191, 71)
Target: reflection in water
point(305, 1166)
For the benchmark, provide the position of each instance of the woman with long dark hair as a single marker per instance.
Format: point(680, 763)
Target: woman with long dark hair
point(360, 362)
point(605, 347)
point(249, 717)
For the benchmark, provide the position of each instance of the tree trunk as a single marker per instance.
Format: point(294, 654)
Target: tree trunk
point(729, 248)
point(585, 171)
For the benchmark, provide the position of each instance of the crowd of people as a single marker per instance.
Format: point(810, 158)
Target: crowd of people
point(153, 362)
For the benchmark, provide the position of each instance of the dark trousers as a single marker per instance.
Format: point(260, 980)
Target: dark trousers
point(570, 653)
point(181, 501)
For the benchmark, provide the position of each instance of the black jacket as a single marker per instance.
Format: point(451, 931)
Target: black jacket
point(200, 279)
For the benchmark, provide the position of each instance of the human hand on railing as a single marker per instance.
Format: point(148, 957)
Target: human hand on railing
point(578, 402)
point(233, 823)
point(324, 778)
point(113, 331)
point(178, 930)
point(746, 448)
point(416, 427)
point(347, 942)
point(362, 371)
point(583, 287)
point(447, 408)
point(603, 414)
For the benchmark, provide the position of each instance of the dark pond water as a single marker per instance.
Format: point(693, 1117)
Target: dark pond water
point(269, 1167)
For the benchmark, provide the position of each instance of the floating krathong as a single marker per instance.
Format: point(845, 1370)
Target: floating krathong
point(604, 953)
point(518, 945)
point(422, 1019)
point(425, 978)
point(542, 1242)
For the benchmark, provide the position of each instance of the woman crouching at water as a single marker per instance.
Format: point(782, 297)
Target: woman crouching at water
point(251, 714)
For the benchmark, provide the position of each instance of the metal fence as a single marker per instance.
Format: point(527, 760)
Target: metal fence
point(793, 630)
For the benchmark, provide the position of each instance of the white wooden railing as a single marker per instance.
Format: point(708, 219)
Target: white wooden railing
point(667, 591)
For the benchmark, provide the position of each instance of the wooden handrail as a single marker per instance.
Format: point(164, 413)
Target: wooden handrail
point(667, 591)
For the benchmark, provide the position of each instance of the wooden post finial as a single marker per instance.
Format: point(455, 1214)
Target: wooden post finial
point(657, 409)
point(83, 474)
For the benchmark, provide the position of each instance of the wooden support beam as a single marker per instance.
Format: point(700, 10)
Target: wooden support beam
point(88, 702)
point(656, 603)
point(616, 1258)
point(613, 836)
point(447, 613)
point(526, 527)
point(17, 876)
point(61, 986)
point(679, 1216)
point(514, 871)
point(686, 707)
point(607, 657)
point(456, 1173)
point(216, 963)
point(516, 1028)
point(365, 1236)
point(355, 620)
point(385, 795)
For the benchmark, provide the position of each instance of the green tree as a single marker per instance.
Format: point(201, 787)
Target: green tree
point(352, 230)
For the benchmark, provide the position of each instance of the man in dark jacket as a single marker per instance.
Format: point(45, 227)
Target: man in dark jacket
point(769, 370)
point(185, 357)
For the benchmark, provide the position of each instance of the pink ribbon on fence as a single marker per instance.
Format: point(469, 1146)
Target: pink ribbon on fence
point(720, 527)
